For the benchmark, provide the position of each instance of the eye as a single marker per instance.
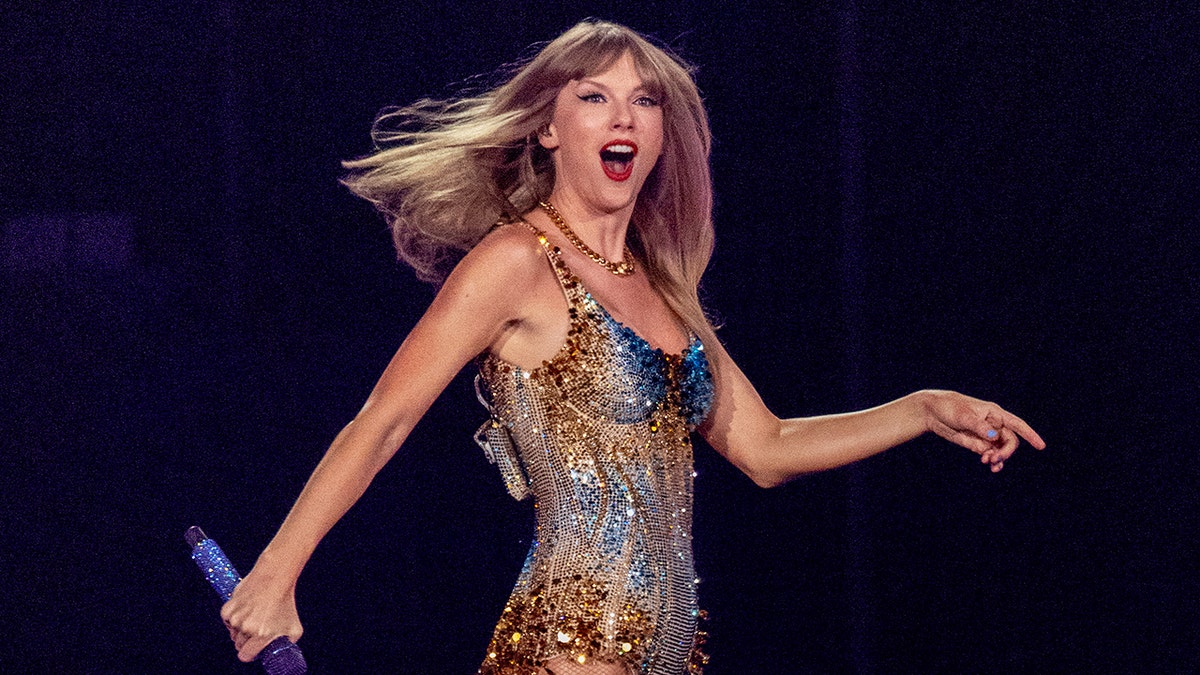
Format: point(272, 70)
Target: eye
point(592, 98)
point(646, 101)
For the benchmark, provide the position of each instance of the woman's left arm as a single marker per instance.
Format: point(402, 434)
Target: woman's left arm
point(772, 451)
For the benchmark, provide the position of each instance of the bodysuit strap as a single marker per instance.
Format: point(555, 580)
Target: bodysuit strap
point(571, 287)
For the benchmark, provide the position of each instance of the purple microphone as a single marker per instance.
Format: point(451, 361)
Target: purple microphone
point(282, 656)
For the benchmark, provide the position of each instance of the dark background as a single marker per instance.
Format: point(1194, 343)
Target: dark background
point(995, 198)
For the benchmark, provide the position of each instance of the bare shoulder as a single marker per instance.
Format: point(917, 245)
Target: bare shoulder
point(507, 281)
point(504, 273)
point(508, 254)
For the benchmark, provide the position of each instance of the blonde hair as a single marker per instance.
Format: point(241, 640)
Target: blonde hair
point(446, 172)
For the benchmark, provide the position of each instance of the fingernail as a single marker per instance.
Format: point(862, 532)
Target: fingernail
point(991, 434)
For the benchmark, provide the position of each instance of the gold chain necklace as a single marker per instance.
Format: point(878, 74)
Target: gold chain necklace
point(620, 269)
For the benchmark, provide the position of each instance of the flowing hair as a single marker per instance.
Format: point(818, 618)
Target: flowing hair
point(445, 172)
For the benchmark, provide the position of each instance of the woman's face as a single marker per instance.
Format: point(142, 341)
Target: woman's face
point(606, 135)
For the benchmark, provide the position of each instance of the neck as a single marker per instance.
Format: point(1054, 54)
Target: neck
point(604, 232)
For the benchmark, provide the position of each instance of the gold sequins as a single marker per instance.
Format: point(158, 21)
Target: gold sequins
point(601, 436)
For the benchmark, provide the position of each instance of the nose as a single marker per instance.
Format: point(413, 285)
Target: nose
point(622, 115)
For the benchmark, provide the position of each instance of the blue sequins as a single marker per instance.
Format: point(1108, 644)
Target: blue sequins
point(695, 384)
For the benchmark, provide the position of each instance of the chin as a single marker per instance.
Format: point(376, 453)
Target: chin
point(617, 196)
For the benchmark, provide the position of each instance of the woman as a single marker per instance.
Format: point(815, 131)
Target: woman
point(580, 191)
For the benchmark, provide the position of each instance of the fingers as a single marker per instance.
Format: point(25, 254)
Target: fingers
point(995, 434)
point(991, 440)
point(1006, 430)
point(249, 637)
point(248, 649)
point(982, 427)
point(227, 612)
point(1025, 431)
point(249, 644)
point(990, 426)
point(968, 441)
point(1006, 444)
point(1001, 418)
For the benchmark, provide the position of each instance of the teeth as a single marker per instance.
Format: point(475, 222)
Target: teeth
point(619, 147)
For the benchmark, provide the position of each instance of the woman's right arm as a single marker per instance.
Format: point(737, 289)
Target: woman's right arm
point(481, 302)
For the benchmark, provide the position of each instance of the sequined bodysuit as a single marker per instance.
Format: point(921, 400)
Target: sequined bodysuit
point(598, 435)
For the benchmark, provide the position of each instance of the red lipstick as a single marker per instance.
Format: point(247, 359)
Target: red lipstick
point(617, 159)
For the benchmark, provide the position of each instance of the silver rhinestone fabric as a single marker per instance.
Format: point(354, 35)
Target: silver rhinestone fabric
point(599, 437)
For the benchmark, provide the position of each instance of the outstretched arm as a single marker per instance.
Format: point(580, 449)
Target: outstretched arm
point(772, 451)
point(481, 303)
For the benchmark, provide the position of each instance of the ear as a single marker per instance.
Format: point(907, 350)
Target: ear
point(548, 137)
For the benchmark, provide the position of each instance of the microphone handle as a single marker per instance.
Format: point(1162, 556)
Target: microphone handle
point(282, 656)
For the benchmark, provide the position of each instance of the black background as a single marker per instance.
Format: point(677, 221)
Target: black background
point(993, 198)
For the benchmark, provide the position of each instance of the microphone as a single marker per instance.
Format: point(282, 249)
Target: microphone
point(282, 656)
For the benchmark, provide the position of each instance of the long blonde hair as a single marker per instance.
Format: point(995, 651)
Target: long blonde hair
point(446, 171)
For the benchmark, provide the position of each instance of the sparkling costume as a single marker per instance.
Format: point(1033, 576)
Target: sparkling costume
point(598, 435)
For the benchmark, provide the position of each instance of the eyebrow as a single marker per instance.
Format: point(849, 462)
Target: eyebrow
point(642, 88)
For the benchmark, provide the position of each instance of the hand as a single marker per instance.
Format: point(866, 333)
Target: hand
point(979, 426)
point(259, 611)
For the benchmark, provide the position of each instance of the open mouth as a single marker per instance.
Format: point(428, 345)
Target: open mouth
point(617, 159)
